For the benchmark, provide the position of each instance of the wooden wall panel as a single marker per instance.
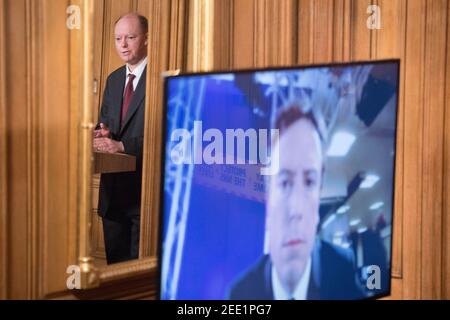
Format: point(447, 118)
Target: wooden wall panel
point(322, 32)
point(305, 40)
point(255, 33)
point(341, 30)
point(142, 7)
point(3, 158)
point(200, 33)
point(243, 46)
point(18, 155)
point(177, 35)
point(413, 146)
point(360, 35)
point(446, 193)
point(333, 30)
point(275, 37)
point(38, 148)
point(223, 34)
point(57, 121)
point(281, 41)
point(433, 123)
point(390, 39)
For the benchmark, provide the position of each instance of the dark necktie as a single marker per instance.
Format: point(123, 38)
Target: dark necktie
point(127, 97)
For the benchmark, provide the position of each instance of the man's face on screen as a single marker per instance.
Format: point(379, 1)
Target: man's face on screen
point(130, 40)
point(293, 201)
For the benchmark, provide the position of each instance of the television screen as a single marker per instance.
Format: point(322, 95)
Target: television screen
point(279, 183)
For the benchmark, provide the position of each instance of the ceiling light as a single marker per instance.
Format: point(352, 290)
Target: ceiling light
point(341, 144)
point(376, 205)
point(369, 181)
point(362, 229)
point(343, 209)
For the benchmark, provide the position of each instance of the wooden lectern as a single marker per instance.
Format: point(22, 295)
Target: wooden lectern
point(113, 162)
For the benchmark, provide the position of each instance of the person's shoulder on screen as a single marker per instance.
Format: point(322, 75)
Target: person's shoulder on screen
point(333, 269)
point(333, 252)
point(338, 277)
point(254, 283)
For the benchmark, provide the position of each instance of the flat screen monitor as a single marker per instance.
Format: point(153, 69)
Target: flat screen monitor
point(279, 183)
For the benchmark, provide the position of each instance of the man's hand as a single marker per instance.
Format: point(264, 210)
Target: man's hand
point(108, 145)
point(103, 132)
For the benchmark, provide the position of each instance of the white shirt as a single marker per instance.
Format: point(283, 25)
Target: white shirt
point(137, 73)
point(300, 292)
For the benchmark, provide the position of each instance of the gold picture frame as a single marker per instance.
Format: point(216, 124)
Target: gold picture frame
point(193, 53)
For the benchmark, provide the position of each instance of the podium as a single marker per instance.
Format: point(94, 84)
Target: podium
point(113, 162)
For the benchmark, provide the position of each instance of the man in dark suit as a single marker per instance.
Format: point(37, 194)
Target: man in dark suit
point(332, 276)
point(299, 266)
point(121, 129)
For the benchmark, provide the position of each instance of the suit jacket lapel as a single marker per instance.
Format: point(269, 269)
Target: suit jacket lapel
point(117, 98)
point(315, 277)
point(138, 96)
point(268, 290)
